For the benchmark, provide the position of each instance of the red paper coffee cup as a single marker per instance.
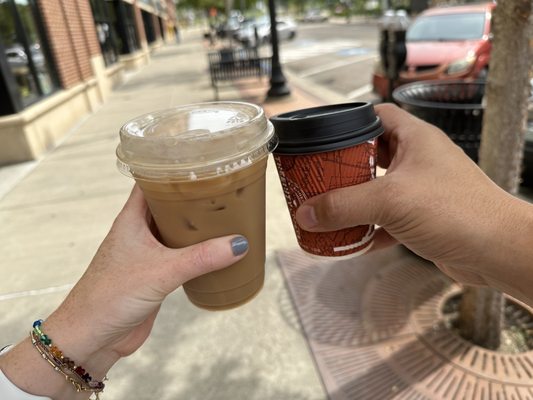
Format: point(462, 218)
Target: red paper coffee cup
point(322, 149)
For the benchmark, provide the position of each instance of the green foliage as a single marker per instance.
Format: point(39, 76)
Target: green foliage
point(201, 4)
point(218, 4)
point(7, 26)
point(296, 5)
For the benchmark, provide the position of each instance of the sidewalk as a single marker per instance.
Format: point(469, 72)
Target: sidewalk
point(53, 220)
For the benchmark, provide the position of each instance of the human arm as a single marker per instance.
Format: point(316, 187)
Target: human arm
point(439, 204)
point(111, 310)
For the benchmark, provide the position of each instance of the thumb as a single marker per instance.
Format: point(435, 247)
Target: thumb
point(199, 259)
point(343, 208)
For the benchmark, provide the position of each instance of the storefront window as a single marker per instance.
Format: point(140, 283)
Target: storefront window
point(162, 27)
point(105, 30)
point(124, 20)
point(26, 66)
point(148, 22)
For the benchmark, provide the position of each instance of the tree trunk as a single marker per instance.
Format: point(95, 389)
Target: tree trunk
point(228, 6)
point(502, 143)
point(505, 117)
point(481, 316)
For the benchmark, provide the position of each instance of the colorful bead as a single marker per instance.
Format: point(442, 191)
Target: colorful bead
point(56, 352)
point(68, 362)
point(46, 340)
point(55, 357)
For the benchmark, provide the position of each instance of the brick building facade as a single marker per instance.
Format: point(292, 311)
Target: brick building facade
point(72, 38)
point(60, 59)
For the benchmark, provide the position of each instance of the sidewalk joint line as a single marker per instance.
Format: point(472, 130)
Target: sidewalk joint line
point(67, 199)
point(36, 292)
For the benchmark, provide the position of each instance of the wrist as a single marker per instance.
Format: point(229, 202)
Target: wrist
point(79, 344)
point(26, 368)
point(510, 250)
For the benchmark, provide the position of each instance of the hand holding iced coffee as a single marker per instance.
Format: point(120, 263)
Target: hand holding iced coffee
point(202, 171)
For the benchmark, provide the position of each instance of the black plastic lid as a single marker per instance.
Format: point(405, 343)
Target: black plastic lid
point(326, 128)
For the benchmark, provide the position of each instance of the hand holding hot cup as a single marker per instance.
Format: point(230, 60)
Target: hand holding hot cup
point(322, 149)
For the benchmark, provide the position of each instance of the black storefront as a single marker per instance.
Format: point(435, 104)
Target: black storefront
point(27, 73)
point(115, 27)
point(162, 27)
point(149, 28)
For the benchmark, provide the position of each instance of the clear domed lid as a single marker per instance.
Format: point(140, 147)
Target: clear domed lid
point(194, 141)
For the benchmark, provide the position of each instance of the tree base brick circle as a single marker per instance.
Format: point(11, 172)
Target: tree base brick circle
point(377, 331)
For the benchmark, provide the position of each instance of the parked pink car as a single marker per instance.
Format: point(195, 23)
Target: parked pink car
point(445, 43)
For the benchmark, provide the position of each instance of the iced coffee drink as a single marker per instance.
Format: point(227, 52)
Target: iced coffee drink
point(202, 171)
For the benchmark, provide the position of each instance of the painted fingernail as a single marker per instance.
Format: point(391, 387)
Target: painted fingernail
point(306, 217)
point(239, 245)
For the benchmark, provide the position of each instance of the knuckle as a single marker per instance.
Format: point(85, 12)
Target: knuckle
point(400, 200)
point(329, 209)
point(389, 107)
point(391, 198)
point(202, 256)
point(389, 187)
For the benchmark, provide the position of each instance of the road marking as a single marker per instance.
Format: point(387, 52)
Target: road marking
point(312, 26)
point(334, 65)
point(302, 49)
point(36, 292)
point(354, 94)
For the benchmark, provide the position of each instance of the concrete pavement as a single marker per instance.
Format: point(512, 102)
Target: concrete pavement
point(52, 221)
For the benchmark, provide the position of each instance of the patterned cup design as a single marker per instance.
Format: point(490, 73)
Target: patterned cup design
point(305, 176)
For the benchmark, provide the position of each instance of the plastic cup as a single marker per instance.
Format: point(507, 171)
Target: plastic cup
point(322, 149)
point(202, 168)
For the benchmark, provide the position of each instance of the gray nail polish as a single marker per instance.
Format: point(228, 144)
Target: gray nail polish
point(239, 245)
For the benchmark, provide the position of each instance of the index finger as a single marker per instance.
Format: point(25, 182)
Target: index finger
point(136, 204)
point(136, 212)
point(400, 127)
point(394, 120)
point(391, 117)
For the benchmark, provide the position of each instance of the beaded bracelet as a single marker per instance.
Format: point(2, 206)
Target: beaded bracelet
point(75, 374)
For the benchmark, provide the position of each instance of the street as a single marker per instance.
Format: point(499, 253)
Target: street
point(338, 57)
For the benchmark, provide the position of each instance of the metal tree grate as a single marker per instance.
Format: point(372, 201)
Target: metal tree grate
point(376, 330)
